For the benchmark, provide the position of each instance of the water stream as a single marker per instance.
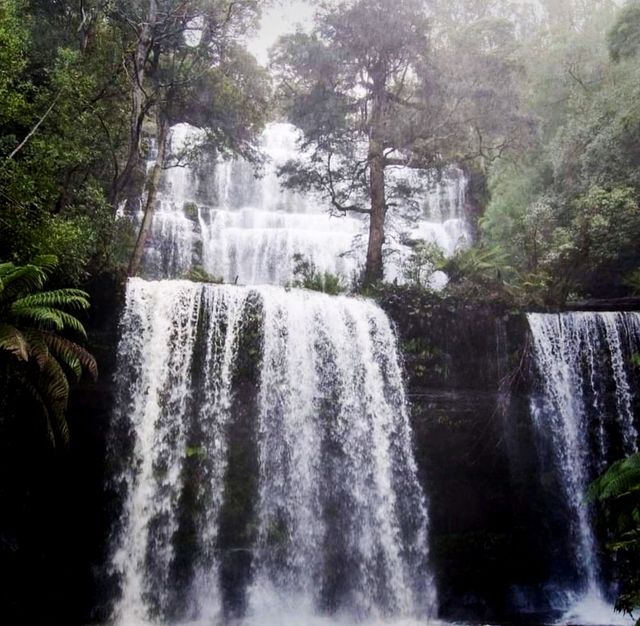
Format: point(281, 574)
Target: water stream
point(584, 413)
point(242, 226)
point(338, 525)
point(268, 474)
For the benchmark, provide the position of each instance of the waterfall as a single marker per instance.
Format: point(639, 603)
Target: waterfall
point(584, 410)
point(248, 229)
point(336, 522)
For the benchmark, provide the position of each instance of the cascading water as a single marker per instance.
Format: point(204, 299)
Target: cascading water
point(248, 230)
point(268, 472)
point(334, 431)
point(584, 411)
point(338, 520)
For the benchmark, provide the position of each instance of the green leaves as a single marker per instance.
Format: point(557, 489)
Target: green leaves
point(68, 298)
point(618, 493)
point(16, 280)
point(624, 37)
point(621, 479)
point(32, 327)
point(306, 276)
point(12, 340)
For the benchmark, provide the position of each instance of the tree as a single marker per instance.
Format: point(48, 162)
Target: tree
point(348, 85)
point(13, 40)
point(35, 352)
point(566, 211)
point(59, 145)
point(182, 48)
point(624, 37)
point(377, 86)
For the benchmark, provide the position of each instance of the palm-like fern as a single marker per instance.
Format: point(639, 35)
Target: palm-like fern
point(33, 328)
point(620, 480)
point(477, 264)
point(618, 490)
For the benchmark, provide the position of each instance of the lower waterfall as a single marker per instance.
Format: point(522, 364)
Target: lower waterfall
point(305, 392)
point(586, 416)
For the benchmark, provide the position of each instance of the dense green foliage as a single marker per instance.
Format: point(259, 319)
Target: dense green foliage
point(542, 105)
point(82, 84)
point(84, 88)
point(618, 491)
point(307, 276)
point(566, 211)
point(36, 354)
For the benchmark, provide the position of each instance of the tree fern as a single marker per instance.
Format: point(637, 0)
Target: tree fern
point(68, 298)
point(65, 349)
point(618, 493)
point(13, 341)
point(33, 324)
point(621, 479)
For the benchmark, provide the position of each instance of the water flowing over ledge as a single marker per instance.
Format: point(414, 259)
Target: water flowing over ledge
point(248, 229)
point(585, 415)
point(336, 522)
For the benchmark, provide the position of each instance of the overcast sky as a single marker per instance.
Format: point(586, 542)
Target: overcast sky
point(282, 18)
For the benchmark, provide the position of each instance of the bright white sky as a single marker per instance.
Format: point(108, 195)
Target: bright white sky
point(282, 18)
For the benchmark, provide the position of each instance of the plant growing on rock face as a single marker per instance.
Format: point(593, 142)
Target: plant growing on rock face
point(35, 354)
point(425, 260)
point(306, 276)
point(198, 274)
point(618, 492)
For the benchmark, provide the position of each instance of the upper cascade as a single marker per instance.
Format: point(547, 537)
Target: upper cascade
point(587, 416)
point(248, 229)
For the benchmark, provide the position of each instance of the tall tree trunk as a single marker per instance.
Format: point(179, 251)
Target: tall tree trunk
point(374, 269)
point(152, 194)
point(139, 104)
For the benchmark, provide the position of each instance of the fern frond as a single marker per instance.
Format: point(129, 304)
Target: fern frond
point(73, 323)
point(621, 479)
point(55, 388)
point(38, 348)
point(21, 280)
point(43, 317)
point(13, 341)
point(66, 349)
point(65, 298)
point(47, 262)
point(56, 385)
point(64, 354)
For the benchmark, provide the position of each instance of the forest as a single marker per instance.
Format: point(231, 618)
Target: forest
point(535, 103)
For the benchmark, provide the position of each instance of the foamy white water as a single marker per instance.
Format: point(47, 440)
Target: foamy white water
point(248, 229)
point(576, 355)
point(592, 610)
point(341, 521)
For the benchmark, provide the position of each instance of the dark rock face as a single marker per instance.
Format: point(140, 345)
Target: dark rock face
point(55, 513)
point(467, 380)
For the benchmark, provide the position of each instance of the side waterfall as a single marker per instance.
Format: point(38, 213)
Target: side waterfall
point(585, 410)
point(338, 521)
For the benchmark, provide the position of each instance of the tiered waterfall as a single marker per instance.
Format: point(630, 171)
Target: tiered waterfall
point(268, 469)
